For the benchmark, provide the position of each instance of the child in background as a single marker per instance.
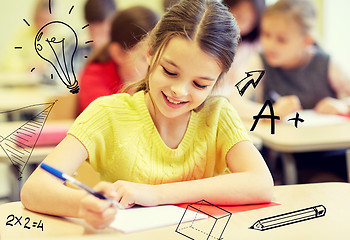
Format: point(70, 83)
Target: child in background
point(170, 142)
point(99, 14)
point(302, 75)
point(23, 60)
point(248, 16)
point(122, 60)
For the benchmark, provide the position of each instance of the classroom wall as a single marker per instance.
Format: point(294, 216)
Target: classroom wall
point(336, 38)
point(11, 14)
point(319, 4)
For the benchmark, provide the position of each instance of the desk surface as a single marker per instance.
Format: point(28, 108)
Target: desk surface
point(287, 138)
point(20, 97)
point(334, 225)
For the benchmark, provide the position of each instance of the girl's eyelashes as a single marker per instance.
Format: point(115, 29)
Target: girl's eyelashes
point(168, 73)
point(199, 85)
point(171, 74)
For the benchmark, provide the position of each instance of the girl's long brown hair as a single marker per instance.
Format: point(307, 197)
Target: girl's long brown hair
point(208, 22)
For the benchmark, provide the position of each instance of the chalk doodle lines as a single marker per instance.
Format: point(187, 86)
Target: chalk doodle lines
point(47, 42)
point(19, 144)
point(253, 78)
point(213, 229)
point(249, 80)
point(289, 218)
point(56, 42)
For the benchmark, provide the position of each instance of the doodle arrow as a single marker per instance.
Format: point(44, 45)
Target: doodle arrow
point(249, 79)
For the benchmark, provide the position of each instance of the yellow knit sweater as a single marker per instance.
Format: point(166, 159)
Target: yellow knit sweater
point(124, 144)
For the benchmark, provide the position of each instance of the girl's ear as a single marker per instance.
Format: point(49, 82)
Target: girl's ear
point(116, 52)
point(149, 57)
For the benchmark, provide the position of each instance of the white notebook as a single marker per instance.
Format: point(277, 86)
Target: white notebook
point(143, 218)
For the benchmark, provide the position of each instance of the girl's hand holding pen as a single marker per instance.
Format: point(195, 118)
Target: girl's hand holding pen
point(97, 212)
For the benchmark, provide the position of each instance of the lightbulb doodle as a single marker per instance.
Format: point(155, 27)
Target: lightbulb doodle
point(51, 45)
point(47, 42)
point(19, 144)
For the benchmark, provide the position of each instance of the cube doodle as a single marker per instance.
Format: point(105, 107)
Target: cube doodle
point(212, 229)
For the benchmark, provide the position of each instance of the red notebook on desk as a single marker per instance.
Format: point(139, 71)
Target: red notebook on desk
point(216, 211)
point(50, 135)
point(345, 115)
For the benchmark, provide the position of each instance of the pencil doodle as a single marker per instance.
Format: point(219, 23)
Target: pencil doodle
point(249, 80)
point(213, 230)
point(289, 218)
point(19, 145)
point(51, 44)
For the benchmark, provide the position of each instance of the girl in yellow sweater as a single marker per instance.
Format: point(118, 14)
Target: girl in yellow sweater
point(170, 142)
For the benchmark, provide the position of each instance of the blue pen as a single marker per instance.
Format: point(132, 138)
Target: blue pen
point(274, 95)
point(66, 177)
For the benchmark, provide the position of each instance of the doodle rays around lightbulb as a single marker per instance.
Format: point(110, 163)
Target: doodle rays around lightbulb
point(61, 48)
point(50, 42)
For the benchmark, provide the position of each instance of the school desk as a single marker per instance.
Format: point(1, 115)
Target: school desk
point(335, 197)
point(288, 139)
point(25, 98)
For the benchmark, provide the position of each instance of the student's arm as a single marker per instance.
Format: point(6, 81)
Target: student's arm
point(340, 82)
point(339, 79)
point(46, 194)
point(250, 182)
point(329, 105)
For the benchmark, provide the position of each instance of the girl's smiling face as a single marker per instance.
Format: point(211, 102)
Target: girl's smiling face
point(182, 78)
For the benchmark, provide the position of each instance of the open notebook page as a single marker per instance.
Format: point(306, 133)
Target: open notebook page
point(143, 218)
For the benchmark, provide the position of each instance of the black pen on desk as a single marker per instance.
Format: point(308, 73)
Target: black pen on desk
point(66, 177)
